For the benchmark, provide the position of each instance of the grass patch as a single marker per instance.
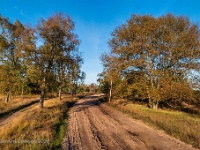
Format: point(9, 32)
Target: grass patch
point(181, 125)
point(37, 129)
point(60, 128)
point(16, 103)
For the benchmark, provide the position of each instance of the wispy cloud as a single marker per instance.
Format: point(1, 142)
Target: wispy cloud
point(20, 11)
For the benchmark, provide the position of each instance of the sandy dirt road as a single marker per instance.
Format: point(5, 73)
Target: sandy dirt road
point(94, 126)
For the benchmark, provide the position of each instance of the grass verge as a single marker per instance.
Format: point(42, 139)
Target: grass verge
point(16, 103)
point(18, 107)
point(60, 128)
point(35, 128)
point(181, 125)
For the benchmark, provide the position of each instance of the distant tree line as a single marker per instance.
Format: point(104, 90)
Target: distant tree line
point(91, 88)
point(40, 59)
point(152, 60)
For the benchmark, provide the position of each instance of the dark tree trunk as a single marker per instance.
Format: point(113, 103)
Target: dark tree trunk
point(42, 98)
point(7, 97)
point(22, 94)
point(74, 88)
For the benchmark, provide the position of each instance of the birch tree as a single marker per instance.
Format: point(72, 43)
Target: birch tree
point(58, 42)
point(150, 51)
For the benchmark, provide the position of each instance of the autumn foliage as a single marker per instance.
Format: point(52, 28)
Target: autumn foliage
point(44, 58)
point(151, 59)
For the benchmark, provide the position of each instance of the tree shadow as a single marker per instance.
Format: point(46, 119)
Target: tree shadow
point(89, 101)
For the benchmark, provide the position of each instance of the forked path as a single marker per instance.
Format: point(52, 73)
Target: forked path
point(94, 126)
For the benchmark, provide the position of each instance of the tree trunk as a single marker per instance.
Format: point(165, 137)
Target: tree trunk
point(149, 99)
point(42, 98)
point(59, 93)
point(110, 93)
point(74, 88)
point(155, 105)
point(151, 104)
point(22, 94)
point(7, 97)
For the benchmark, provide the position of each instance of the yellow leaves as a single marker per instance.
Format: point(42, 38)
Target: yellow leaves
point(3, 43)
point(175, 90)
point(33, 74)
point(153, 56)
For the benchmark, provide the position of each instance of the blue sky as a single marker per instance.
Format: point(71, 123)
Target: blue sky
point(96, 19)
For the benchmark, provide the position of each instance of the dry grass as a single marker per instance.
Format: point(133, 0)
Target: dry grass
point(178, 124)
point(35, 128)
point(15, 102)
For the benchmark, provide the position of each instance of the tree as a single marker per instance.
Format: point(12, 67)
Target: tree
point(111, 72)
point(76, 76)
point(103, 83)
point(54, 55)
point(13, 41)
point(93, 88)
point(150, 50)
point(44, 58)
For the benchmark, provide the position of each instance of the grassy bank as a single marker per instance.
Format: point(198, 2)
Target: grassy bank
point(181, 125)
point(36, 128)
point(16, 103)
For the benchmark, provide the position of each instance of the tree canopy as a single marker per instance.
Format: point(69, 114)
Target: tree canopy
point(153, 57)
point(44, 58)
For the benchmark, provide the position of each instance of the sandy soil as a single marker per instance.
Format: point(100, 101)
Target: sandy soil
point(93, 126)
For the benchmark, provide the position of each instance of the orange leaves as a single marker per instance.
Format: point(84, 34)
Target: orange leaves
point(159, 50)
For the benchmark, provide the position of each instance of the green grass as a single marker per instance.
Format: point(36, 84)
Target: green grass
point(181, 125)
point(60, 128)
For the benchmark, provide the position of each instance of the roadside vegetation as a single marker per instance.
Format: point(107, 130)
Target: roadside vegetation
point(152, 73)
point(16, 103)
point(37, 128)
point(41, 64)
point(155, 61)
point(181, 125)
